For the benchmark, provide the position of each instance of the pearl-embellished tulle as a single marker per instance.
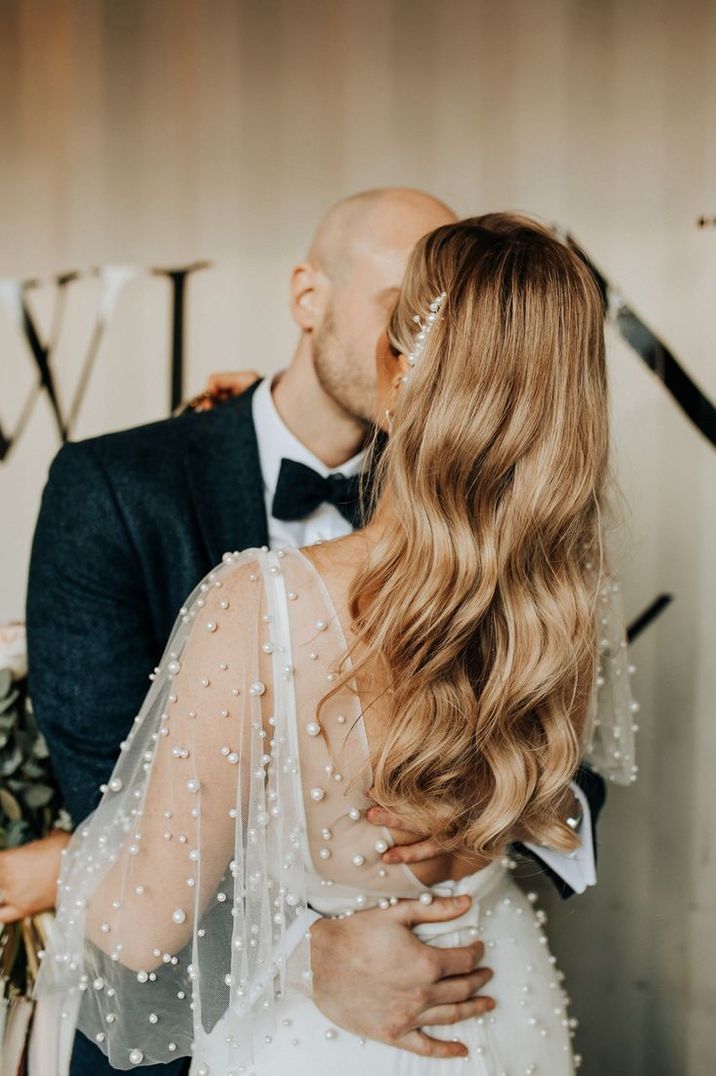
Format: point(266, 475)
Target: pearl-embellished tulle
point(235, 806)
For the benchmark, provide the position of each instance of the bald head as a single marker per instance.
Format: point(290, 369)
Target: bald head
point(385, 219)
point(342, 294)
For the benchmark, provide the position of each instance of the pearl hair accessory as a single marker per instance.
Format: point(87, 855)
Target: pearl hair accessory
point(424, 330)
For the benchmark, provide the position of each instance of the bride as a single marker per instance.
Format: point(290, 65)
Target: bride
point(442, 662)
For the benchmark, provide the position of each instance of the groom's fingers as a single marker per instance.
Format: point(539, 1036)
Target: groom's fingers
point(436, 910)
point(417, 852)
point(380, 816)
point(456, 989)
point(460, 960)
point(417, 1042)
point(443, 1015)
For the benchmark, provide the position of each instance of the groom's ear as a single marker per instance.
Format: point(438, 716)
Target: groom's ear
point(305, 296)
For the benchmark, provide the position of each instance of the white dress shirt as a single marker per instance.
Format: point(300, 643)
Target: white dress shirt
point(275, 442)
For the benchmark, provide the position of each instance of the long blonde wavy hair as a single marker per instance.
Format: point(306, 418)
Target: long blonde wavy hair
point(479, 599)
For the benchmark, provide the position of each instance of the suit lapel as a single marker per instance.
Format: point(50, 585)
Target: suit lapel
point(223, 470)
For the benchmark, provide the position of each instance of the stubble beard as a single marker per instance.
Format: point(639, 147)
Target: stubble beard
point(341, 375)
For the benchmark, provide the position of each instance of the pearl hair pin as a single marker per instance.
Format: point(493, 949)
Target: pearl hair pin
point(424, 330)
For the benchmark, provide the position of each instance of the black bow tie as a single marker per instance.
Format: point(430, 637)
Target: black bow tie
point(300, 490)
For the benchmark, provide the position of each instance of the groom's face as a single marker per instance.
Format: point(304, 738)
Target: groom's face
point(358, 302)
point(356, 313)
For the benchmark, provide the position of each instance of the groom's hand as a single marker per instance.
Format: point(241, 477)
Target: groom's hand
point(374, 977)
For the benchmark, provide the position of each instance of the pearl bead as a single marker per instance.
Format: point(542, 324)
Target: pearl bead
point(341, 719)
point(178, 915)
point(136, 1057)
point(381, 846)
point(330, 1033)
point(115, 784)
point(193, 785)
point(173, 667)
point(321, 625)
point(267, 648)
point(426, 898)
point(313, 728)
point(325, 853)
point(358, 860)
point(354, 814)
point(292, 596)
point(317, 794)
point(211, 625)
point(257, 688)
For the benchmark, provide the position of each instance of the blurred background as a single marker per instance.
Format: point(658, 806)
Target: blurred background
point(155, 134)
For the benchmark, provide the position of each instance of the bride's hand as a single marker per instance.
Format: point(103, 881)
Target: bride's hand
point(372, 976)
point(28, 876)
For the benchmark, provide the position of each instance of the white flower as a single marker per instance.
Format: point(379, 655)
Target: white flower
point(13, 649)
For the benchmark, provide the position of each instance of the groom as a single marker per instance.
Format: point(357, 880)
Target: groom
point(130, 522)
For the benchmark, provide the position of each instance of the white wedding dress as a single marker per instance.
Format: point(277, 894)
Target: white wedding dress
point(237, 805)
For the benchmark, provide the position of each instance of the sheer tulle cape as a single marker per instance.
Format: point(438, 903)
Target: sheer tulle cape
point(183, 892)
point(184, 895)
point(609, 736)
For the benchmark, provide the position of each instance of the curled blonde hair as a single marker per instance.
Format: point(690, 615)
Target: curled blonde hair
point(479, 598)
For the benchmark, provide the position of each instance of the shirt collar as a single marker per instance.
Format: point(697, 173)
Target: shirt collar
point(276, 441)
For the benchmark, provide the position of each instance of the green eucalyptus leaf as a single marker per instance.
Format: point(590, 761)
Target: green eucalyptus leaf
point(37, 795)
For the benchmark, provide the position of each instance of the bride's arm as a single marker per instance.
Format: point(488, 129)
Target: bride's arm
point(189, 776)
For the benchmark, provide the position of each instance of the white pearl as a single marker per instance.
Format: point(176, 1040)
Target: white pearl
point(426, 898)
point(178, 915)
point(267, 648)
point(115, 784)
point(257, 688)
point(313, 728)
point(173, 667)
point(317, 794)
point(292, 596)
point(211, 625)
point(358, 860)
point(330, 1033)
point(193, 785)
point(321, 625)
point(136, 1057)
point(354, 814)
point(381, 846)
point(341, 719)
point(325, 853)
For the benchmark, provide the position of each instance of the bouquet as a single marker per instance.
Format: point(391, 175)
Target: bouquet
point(29, 808)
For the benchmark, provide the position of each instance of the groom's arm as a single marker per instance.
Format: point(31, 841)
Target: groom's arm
point(573, 872)
point(90, 644)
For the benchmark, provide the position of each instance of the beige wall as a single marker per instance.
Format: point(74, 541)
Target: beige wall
point(160, 131)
